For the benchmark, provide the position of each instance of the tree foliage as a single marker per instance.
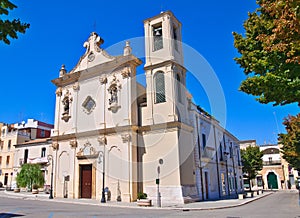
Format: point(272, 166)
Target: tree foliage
point(30, 174)
point(252, 161)
point(291, 141)
point(270, 52)
point(10, 28)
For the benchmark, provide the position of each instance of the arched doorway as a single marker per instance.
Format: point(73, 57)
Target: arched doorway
point(272, 181)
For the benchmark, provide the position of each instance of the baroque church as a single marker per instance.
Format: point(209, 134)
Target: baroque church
point(114, 138)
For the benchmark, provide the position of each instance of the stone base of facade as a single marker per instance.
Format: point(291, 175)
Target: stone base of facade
point(171, 195)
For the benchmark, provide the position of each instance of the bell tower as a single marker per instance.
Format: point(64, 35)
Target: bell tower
point(165, 74)
point(166, 132)
point(163, 39)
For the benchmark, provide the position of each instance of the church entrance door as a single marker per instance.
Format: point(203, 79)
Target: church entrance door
point(86, 181)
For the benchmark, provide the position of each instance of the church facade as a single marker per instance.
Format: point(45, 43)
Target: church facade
point(114, 136)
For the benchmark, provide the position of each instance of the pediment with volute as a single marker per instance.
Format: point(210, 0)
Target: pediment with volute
point(94, 54)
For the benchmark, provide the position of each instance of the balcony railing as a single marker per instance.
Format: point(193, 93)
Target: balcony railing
point(26, 134)
point(208, 152)
point(273, 162)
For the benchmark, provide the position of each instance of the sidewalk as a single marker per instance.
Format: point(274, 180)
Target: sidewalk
point(204, 205)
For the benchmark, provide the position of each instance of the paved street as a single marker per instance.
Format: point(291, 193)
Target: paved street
point(283, 204)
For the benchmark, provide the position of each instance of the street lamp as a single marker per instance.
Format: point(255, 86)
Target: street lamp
point(298, 187)
point(11, 176)
point(160, 161)
point(101, 154)
point(50, 158)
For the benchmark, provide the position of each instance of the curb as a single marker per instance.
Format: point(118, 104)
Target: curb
point(224, 207)
point(45, 198)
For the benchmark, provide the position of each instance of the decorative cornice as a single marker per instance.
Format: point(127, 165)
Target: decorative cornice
point(163, 64)
point(63, 137)
point(124, 130)
point(163, 126)
point(67, 79)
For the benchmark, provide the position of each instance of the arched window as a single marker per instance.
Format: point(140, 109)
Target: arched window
point(159, 87)
point(157, 37)
point(178, 87)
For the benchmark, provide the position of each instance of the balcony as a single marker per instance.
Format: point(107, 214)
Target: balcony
point(208, 153)
point(25, 134)
point(272, 163)
point(38, 160)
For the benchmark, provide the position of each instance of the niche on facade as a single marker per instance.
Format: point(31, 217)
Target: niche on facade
point(114, 95)
point(87, 151)
point(67, 100)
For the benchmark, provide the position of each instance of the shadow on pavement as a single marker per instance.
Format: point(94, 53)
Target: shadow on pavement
point(7, 215)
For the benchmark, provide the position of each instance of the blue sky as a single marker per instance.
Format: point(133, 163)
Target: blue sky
point(59, 29)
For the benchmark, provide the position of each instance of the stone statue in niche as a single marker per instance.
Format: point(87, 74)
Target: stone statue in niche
point(113, 90)
point(113, 95)
point(66, 102)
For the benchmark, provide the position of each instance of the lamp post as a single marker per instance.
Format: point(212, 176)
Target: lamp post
point(50, 158)
point(11, 176)
point(101, 154)
point(160, 161)
point(298, 187)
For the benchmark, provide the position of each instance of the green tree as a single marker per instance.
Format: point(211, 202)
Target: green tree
point(252, 162)
point(10, 28)
point(270, 52)
point(30, 174)
point(291, 141)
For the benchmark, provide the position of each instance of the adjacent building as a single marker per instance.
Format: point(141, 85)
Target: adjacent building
point(35, 151)
point(276, 173)
point(14, 134)
point(113, 135)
